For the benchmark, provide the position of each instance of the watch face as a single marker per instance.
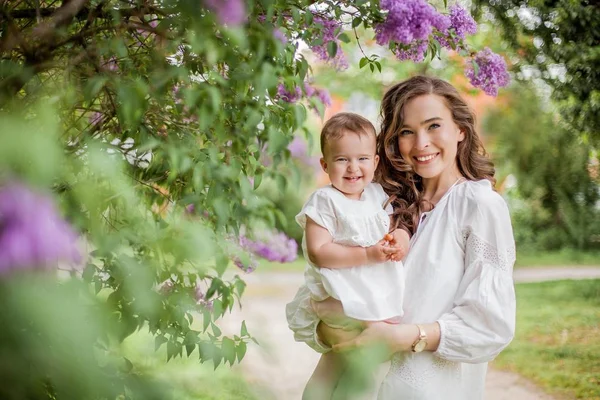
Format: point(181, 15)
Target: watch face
point(420, 346)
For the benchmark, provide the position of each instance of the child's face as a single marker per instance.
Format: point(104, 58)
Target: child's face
point(350, 162)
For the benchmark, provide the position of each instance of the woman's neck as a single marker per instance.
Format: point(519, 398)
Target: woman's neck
point(435, 188)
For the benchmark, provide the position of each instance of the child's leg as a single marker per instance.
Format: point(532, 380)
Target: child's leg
point(324, 379)
point(322, 382)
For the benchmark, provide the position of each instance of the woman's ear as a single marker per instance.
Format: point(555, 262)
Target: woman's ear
point(461, 136)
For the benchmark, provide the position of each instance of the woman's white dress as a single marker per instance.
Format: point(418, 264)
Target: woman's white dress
point(458, 273)
point(367, 292)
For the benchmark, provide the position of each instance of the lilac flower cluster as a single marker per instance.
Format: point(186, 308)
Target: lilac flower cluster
point(491, 73)
point(273, 246)
point(229, 12)
point(414, 52)
point(32, 233)
point(328, 34)
point(248, 267)
point(310, 91)
point(289, 96)
point(408, 21)
point(462, 22)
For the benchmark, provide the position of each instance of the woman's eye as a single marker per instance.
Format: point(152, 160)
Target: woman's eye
point(405, 132)
point(434, 126)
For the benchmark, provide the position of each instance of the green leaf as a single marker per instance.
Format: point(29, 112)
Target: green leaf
point(363, 61)
point(241, 350)
point(378, 65)
point(372, 67)
point(308, 18)
point(159, 341)
point(244, 329)
point(356, 22)
point(332, 48)
point(228, 349)
point(343, 37)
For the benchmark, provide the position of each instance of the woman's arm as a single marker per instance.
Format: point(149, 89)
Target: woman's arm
point(323, 252)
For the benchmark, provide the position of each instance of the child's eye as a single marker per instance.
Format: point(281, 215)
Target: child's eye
point(364, 158)
point(340, 159)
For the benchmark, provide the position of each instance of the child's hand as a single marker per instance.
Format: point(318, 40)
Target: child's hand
point(398, 239)
point(379, 252)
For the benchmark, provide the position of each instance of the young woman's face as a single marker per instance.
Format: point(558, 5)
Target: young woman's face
point(428, 139)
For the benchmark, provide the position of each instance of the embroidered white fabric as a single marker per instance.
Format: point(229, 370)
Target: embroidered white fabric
point(458, 272)
point(367, 292)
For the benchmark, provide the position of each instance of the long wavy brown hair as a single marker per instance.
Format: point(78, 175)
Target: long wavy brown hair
point(398, 179)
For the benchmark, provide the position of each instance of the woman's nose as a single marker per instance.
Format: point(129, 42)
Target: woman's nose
point(422, 141)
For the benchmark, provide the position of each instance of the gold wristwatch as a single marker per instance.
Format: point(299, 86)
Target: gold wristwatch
point(421, 342)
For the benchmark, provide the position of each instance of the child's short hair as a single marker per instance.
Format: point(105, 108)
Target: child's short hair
point(344, 122)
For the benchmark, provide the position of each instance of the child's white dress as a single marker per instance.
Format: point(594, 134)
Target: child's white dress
point(367, 292)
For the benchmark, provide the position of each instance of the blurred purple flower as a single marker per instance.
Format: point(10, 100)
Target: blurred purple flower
point(32, 233)
point(299, 150)
point(247, 268)
point(462, 22)
point(415, 52)
point(228, 12)
point(409, 20)
point(273, 246)
point(328, 34)
point(279, 35)
point(288, 96)
point(491, 73)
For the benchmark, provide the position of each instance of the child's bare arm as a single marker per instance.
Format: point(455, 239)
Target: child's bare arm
point(323, 252)
point(324, 379)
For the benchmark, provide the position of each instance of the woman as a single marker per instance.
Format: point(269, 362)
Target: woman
point(459, 301)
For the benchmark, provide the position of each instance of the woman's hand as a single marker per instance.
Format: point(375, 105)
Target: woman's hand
point(395, 337)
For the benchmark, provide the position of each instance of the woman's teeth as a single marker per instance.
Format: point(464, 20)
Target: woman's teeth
point(426, 158)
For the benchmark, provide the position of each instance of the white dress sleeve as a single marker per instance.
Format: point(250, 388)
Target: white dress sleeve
point(303, 321)
point(482, 320)
point(320, 208)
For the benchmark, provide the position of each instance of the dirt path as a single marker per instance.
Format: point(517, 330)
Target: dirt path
point(283, 366)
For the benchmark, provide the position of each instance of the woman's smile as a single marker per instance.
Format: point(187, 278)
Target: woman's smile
point(426, 159)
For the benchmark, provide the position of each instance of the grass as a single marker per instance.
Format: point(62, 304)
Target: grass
point(557, 343)
point(186, 377)
point(565, 257)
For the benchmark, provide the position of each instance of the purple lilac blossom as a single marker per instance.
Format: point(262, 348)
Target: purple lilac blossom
point(415, 52)
point(32, 233)
point(462, 22)
point(492, 72)
point(409, 20)
point(329, 27)
point(273, 246)
point(247, 268)
point(228, 12)
point(288, 96)
point(279, 35)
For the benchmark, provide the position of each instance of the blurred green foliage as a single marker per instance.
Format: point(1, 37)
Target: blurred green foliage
point(556, 41)
point(129, 112)
point(554, 203)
